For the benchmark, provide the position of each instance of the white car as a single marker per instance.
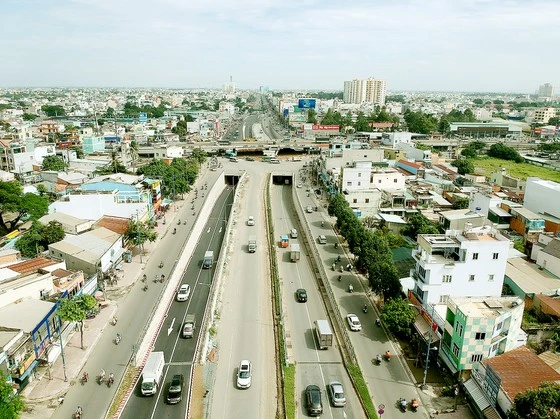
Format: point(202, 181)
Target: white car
point(184, 292)
point(251, 221)
point(354, 322)
point(309, 209)
point(293, 233)
point(336, 393)
point(244, 373)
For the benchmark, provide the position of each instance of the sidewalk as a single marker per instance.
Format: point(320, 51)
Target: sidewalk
point(42, 393)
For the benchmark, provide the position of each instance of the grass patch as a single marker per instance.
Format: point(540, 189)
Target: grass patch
point(124, 385)
point(290, 390)
point(361, 388)
point(487, 165)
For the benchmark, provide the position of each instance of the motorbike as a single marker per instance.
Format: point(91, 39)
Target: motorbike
point(192, 207)
point(114, 321)
point(333, 267)
point(179, 222)
point(118, 339)
point(338, 258)
point(414, 404)
point(184, 223)
point(402, 404)
point(100, 379)
point(144, 278)
point(339, 278)
point(111, 380)
point(341, 268)
point(378, 359)
point(365, 309)
point(387, 356)
point(336, 245)
point(378, 322)
point(349, 267)
point(174, 230)
point(162, 278)
point(161, 264)
point(78, 413)
point(84, 378)
point(322, 223)
point(350, 289)
point(145, 287)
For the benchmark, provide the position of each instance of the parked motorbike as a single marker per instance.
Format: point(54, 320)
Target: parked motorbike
point(184, 223)
point(339, 278)
point(378, 359)
point(365, 309)
point(336, 245)
point(179, 222)
point(334, 267)
point(341, 268)
point(162, 278)
point(322, 224)
point(378, 322)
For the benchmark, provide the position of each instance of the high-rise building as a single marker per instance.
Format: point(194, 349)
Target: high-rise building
point(229, 87)
point(365, 91)
point(546, 90)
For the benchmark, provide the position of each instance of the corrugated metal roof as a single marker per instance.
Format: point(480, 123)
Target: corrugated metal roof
point(476, 394)
point(24, 315)
point(31, 265)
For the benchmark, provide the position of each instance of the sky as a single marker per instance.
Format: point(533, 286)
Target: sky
point(415, 45)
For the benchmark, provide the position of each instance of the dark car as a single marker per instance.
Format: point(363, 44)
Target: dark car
point(301, 295)
point(313, 400)
point(175, 393)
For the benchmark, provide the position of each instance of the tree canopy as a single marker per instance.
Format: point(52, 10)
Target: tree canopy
point(398, 316)
point(419, 224)
point(11, 405)
point(464, 166)
point(38, 238)
point(76, 309)
point(177, 177)
point(501, 151)
point(420, 122)
point(139, 233)
point(53, 110)
point(311, 116)
point(542, 402)
point(53, 163)
point(14, 205)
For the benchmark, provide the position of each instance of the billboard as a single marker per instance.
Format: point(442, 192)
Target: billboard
point(325, 127)
point(142, 117)
point(307, 103)
point(286, 112)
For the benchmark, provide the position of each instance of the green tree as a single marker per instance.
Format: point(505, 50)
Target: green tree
point(41, 189)
point(461, 203)
point(501, 151)
point(395, 98)
point(14, 205)
point(139, 233)
point(38, 238)
point(362, 123)
point(384, 278)
point(110, 113)
point(53, 163)
point(420, 122)
point(11, 405)
point(199, 155)
point(311, 116)
point(537, 403)
point(419, 224)
point(398, 316)
point(464, 166)
point(555, 120)
point(29, 117)
point(478, 101)
point(53, 110)
point(75, 310)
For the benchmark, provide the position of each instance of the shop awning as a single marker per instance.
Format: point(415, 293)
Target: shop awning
point(28, 371)
point(423, 328)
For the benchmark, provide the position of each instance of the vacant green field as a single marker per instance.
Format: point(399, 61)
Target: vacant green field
point(487, 165)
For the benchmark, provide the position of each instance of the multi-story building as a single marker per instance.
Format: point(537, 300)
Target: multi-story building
point(388, 179)
point(542, 196)
point(365, 91)
point(468, 263)
point(93, 144)
point(546, 90)
point(459, 219)
point(542, 115)
point(48, 128)
point(357, 189)
point(480, 328)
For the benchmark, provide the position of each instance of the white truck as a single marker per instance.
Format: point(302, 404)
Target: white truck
point(208, 260)
point(152, 372)
point(324, 334)
point(252, 245)
point(294, 252)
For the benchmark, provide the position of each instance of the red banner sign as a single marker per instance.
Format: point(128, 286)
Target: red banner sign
point(326, 127)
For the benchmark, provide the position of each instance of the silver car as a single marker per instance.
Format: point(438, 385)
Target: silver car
point(336, 394)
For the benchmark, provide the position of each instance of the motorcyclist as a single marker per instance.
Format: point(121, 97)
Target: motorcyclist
point(388, 355)
point(118, 338)
point(85, 377)
point(339, 278)
point(114, 321)
point(102, 374)
point(78, 413)
point(111, 378)
point(365, 308)
point(174, 230)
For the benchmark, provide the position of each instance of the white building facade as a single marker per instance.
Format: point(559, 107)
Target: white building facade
point(542, 196)
point(370, 90)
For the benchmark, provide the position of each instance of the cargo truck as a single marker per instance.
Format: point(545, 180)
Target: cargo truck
point(294, 252)
point(324, 334)
point(252, 246)
point(152, 372)
point(208, 260)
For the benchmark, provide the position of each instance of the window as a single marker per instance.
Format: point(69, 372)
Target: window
point(455, 349)
point(379, 181)
point(476, 358)
point(443, 299)
point(354, 201)
point(471, 277)
point(499, 326)
point(480, 336)
point(359, 183)
point(459, 329)
point(490, 277)
point(348, 183)
point(367, 200)
point(495, 256)
point(359, 174)
point(475, 256)
point(395, 180)
point(447, 278)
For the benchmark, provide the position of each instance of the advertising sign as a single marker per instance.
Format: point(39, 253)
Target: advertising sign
point(306, 103)
point(326, 127)
point(142, 117)
point(286, 112)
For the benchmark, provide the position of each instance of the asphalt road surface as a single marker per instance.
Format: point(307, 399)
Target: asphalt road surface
point(245, 330)
point(313, 366)
point(179, 352)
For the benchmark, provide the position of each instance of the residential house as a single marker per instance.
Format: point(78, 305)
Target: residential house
point(549, 257)
point(356, 184)
point(93, 144)
point(460, 219)
point(501, 178)
point(93, 252)
point(542, 196)
point(528, 281)
point(526, 223)
point(496, 382)
point(70, 224)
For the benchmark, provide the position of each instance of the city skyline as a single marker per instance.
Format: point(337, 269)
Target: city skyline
point(467, 46)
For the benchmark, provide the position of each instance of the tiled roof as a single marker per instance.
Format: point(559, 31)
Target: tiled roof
point(521, 370)
point(31, 265)
point(410, 164)
point(115, 224)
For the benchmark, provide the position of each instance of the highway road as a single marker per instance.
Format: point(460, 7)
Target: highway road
point(245, 330)
point(386, 382)
point(313, 366)
point(96, 399)
point(179, 352)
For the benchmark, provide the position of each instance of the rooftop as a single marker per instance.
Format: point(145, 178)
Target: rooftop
point(529, 278)
point(521, 370)
point(32, 265)
point(546, 183)
point(488, 307)
point(24, 315)
point(460, 214)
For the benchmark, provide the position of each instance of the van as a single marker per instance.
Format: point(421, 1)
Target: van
point(293, 233)
point(275, 161)
point(322, 239)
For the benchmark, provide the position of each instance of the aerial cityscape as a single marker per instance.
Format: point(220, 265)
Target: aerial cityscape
point(191, 228)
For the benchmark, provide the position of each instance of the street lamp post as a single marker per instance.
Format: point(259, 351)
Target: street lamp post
point(62, 349)
point(429, 348)
point(138, 234)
